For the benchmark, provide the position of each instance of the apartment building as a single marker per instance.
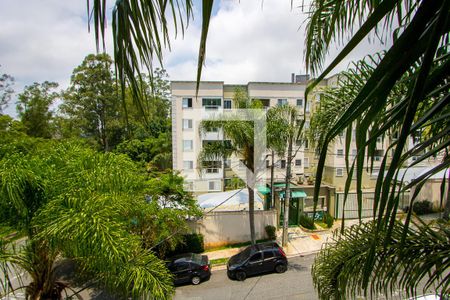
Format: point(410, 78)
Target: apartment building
point(187, 140)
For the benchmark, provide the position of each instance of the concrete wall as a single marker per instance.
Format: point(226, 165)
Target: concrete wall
point(431, 191)
point(229, 227)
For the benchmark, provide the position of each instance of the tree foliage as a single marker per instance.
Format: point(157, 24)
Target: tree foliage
point(76, 203)
point(34, 108)
point(6, 82)
point(419, 57)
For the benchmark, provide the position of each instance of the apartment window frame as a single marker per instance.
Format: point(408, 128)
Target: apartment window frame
point(188, 149)
point(188, 165)
point(186, 103)
point(306, 162)
point(339, 172)
point(227, 104)
point(340, 152)
point(283, 164)
point(282, 101)
point(189, 123)
point(213, 185)
point(301, 101)
point(298, 162)
point(211, 103)
point(212, 166)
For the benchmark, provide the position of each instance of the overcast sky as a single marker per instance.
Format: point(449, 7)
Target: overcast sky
point(46, 39)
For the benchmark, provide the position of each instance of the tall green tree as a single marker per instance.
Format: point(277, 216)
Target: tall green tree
point(92, 103)
point(419, 55)
point(93, 208)
point(34, 108)
point(6, 81)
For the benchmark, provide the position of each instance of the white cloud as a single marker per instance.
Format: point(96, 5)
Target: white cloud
point(46, 39)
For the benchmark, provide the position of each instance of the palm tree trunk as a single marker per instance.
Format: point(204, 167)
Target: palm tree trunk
point(272, 188)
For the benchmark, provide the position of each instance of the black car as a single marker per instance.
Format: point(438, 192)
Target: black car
point(256, 259)
point(189, 267)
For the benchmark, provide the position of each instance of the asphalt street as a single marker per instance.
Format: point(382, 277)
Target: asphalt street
point(295, 283)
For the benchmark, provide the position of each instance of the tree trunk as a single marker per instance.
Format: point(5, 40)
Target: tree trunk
point(287, 196)
point(251, 213)
point(272, 188)
point(446, 215)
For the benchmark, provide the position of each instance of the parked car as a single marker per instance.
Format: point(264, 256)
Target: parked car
point(189, 267)
point(257, 259)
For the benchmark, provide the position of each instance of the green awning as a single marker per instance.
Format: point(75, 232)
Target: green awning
point(282, 185)
point(295, 194)
point(263, 189)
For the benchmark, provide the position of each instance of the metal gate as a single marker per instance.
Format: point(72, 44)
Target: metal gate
point(351, 205)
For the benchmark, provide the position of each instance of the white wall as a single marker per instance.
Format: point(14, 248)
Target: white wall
point(229, 227)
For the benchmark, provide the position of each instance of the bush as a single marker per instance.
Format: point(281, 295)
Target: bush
point(270, 231)
point(190, 243)
point(306, 221)
point(328, 219)
point(422, 207)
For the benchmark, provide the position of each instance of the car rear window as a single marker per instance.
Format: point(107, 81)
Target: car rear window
point(196, 258)
point(268, 253)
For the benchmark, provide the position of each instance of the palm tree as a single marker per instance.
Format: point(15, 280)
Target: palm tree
point(284, 130)
point(240, 135)
point(73, 202)
point(419, 57)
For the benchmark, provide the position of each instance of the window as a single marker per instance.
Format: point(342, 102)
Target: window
point(211, 103)
point(283, 163)
point(188, 145)
point(282, 102)
point(340, 152)
point(265, 102)
point(339, 172)
point(183, 266)
point(227, 163)
point(212, 166)
point(227, 104)
point(187, 124)
point(298, 162)
point(300, 103)
point(213, 185)
point(267, 164)
point(306, 162)
point(268, 254)
point(256, 257)
point(187, 102)
point(188, 185)
point(306, 143)
point(188, 164)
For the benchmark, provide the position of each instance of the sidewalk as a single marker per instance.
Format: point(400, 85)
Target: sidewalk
point(301, 242)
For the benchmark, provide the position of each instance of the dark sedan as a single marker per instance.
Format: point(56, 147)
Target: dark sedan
point(189, 267)
point(257, 259)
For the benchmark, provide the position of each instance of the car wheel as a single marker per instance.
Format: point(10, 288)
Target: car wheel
point(195, 280)
point(241, 275)
point(280, 268)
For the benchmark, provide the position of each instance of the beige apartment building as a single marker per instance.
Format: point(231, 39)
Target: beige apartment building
point(187, 140)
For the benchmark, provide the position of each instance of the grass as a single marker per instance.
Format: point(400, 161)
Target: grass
point(321, 224)
point(237, 245)
point(218, 261)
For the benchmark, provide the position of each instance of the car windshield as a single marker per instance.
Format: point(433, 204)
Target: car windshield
point(243, 255)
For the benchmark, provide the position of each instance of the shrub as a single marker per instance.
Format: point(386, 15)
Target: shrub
point(306, 221)
point(422, 207)
point(328, 219)
point(270, 231)
point(190, 243)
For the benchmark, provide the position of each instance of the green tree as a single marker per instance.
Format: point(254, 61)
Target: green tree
point(6, 81)
point(34, 110)
point(418, 55)
point(92, 103)
point(76, 203)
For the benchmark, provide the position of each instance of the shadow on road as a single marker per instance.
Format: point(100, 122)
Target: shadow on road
point(297, 267)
